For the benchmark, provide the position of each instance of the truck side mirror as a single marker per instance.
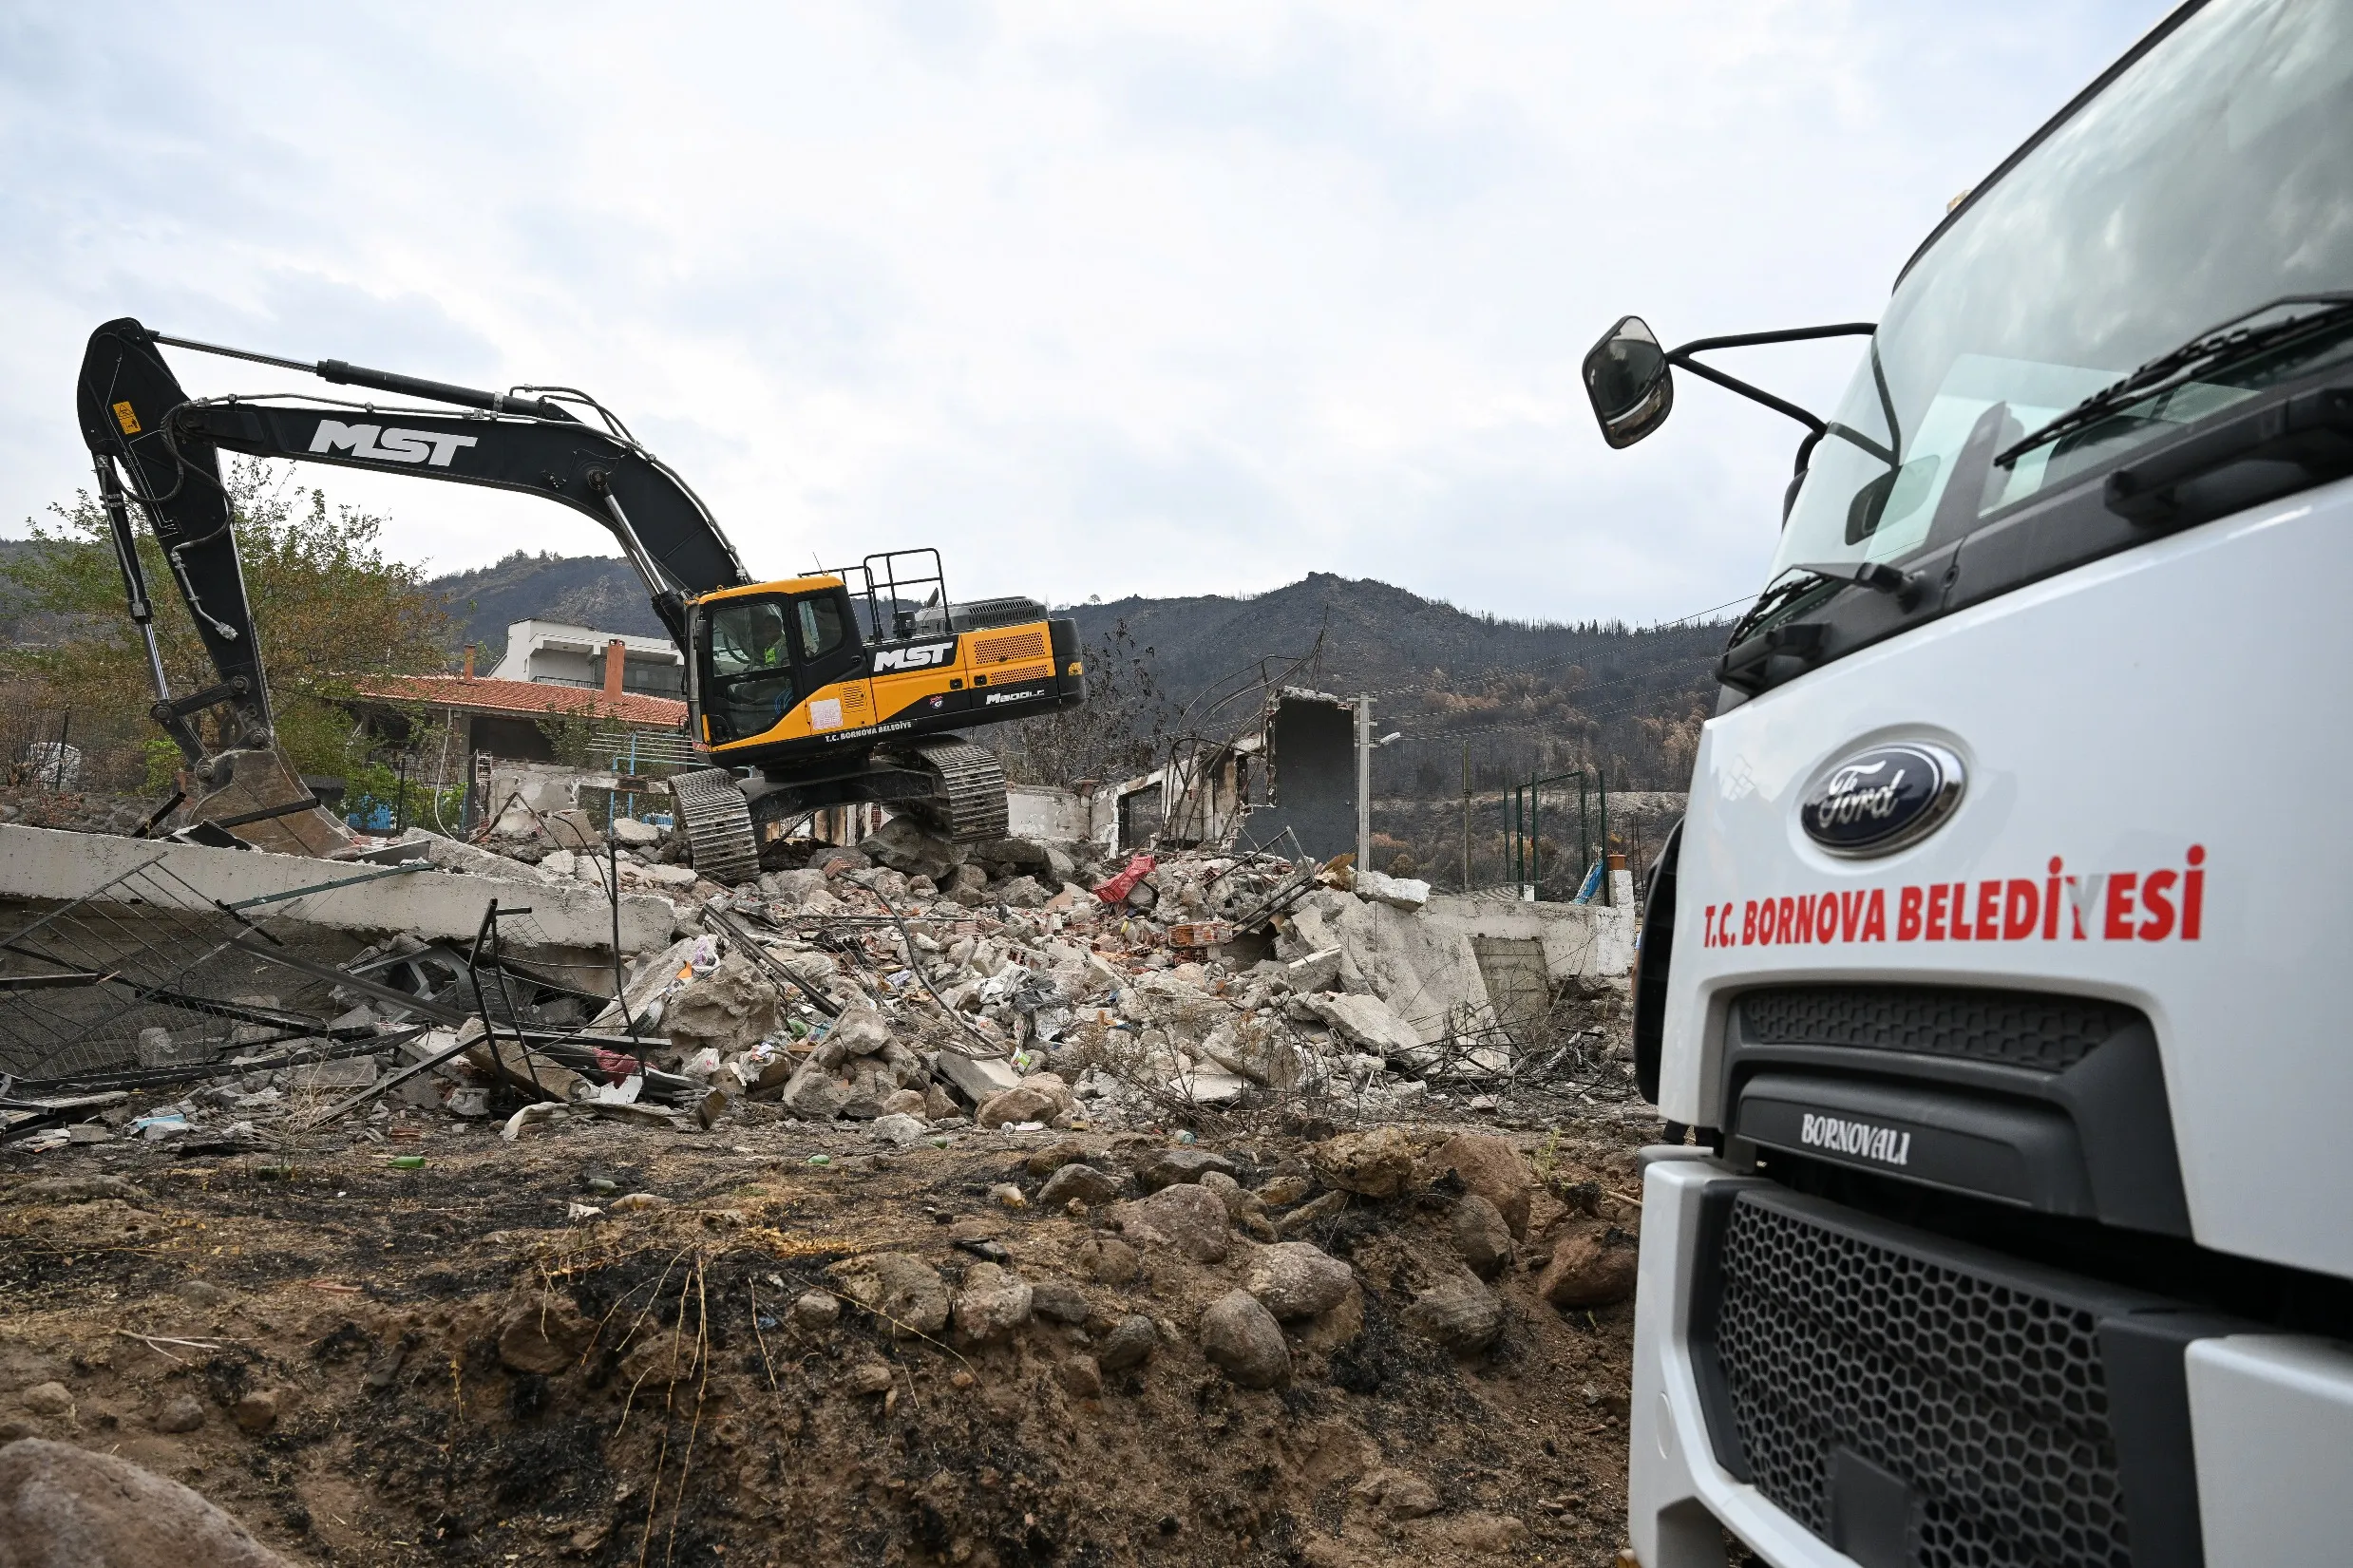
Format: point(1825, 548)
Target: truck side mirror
point(1628, 382)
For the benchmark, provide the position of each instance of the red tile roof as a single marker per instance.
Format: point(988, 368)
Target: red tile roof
point(526, 699)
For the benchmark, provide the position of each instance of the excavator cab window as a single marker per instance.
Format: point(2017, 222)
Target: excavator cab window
point(750, 683)
point(821, 629)
point(831, 647)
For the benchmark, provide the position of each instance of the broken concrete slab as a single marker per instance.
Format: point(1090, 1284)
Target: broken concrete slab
point(41, 864)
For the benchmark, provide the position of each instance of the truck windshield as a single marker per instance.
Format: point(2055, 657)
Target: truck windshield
point(2211, 182)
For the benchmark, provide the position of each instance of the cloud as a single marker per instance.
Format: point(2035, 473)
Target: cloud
point(1098, 299)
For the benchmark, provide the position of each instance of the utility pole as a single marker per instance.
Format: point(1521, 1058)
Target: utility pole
point(1466, 816)
point(1364, 784)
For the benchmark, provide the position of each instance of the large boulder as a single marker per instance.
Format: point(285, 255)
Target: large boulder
point(732, 1008)
point(1490, 1166)
point(1187, 1218)
point(68, 1507)
point(1296, 1280)
point(1243, 1340)
point(911, 849)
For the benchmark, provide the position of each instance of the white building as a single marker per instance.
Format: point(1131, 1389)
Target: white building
point(553, 654)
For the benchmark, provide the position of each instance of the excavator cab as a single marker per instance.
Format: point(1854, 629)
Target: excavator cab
point(767, 653)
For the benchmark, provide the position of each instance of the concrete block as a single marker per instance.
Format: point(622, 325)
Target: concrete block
point(977, 1077)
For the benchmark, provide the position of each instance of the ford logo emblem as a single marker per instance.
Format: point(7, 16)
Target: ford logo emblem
point(1878, 800)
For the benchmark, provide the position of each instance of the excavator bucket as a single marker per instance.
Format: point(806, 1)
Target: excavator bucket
point(266, 803)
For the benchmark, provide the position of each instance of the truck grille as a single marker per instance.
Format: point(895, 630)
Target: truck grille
point(2020, 1028)
point(1988, 1397)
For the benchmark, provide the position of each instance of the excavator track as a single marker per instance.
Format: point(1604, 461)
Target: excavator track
point(969, 805)
point(717, 820)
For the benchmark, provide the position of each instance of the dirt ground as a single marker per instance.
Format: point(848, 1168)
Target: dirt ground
point(352, 1341)
point(347, 1346)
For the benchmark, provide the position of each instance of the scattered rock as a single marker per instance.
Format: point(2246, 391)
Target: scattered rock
point(868, 1378)
point(1058, 1302)
point(181, 1413)
point(1130, 1343)
point(901, 1129)
point(1481, 1236)
point(991, 1304)
point(1462, 1315)
point(1082, 1184)
point(1585, 1271)
point(1376, 1163)
point(1242, 1339)
point(1187, 1218)
point(1172, 1167)
point(1296, 1280)
point(1399, 1494)
point(637, 1202)
point(47, 1399)
point(1108, 1260)
point(1080, 1377)
point(732, 1008)
point(1312, 1213)
point(813, 1093)
point(68, 1507)
point(909, 848)
point(1021, 1102)
point(1490, 1166)
point(816, 1309)
point(257, 1412)
point(1485, 1535)
point(906, 1293)
point(1280, 1192)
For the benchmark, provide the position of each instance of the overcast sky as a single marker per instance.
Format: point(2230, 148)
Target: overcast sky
point(1100, 299)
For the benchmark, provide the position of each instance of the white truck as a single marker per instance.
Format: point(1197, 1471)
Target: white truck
point(1997, 989)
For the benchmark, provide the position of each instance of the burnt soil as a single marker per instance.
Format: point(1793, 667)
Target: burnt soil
point(701, 1425)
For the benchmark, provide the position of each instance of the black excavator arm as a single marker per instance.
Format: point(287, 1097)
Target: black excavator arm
point(154, 445)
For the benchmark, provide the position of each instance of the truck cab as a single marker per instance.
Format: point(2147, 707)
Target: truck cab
point(1993, 992)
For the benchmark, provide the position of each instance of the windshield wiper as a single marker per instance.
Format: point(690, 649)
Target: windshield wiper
point(2209, 350)
point(1902, 586)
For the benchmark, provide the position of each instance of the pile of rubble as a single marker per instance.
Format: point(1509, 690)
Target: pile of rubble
point(912, 983)
point(922, 985)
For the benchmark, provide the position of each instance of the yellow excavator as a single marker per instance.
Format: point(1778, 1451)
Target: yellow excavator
point(806, 692)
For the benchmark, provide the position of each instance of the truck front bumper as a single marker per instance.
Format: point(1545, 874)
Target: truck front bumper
point(2225, 1445)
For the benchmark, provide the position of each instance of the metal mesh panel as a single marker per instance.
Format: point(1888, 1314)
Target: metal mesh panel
point(145, 971)
point(2016, 1027)
point(1988, 1399)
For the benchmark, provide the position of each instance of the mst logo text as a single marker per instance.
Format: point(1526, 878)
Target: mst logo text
point(921, 656)
point(431, 447)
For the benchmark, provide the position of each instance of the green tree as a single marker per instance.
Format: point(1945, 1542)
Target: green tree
point(329, 609)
